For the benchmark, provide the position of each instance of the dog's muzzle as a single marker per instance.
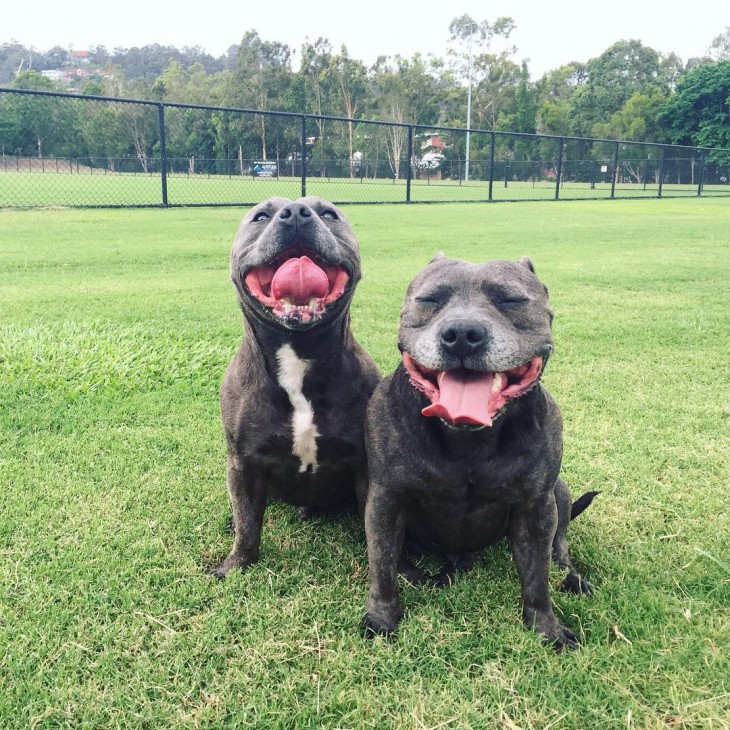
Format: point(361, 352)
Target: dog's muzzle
point(462, 397)
point(297, 287)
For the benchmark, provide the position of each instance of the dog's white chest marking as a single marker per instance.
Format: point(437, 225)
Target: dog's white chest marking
point(304, 433)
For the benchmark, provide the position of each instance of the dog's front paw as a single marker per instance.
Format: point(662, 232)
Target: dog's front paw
point(561, 638)
point(380, 623)
point(370, 627)
point(552, 632)
point(232, 562)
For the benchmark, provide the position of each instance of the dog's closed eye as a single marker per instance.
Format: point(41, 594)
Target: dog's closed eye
point(430, 302)
point(513, 302)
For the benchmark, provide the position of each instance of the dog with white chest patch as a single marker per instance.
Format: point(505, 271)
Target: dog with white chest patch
point(293, 398)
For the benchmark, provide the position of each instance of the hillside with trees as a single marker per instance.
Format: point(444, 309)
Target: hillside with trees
point(629, 92)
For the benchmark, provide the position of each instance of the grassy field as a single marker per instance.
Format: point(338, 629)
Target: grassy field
point(116, 328)
point(35, 189)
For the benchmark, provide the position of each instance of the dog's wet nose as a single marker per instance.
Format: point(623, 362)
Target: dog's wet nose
point(462, 337)
point(295, 212)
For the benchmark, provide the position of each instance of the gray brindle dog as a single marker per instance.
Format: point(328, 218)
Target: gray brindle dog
point(464, 443)
point(293, 399)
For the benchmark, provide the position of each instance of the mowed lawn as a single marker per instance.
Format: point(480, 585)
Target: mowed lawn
point(115, 330)
point(34, 189)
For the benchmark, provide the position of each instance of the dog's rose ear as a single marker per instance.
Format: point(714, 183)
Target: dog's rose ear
point(527, 261)
point(437, 257)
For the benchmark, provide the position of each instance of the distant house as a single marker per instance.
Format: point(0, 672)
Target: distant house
point(432, 157)
point(431, 142)
point(55, 74)
point(80, 56)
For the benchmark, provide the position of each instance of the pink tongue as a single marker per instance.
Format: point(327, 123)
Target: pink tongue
point(300, 280)
point(463, 398)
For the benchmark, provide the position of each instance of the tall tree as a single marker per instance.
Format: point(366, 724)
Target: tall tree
point(407, 91)
point(477, 64)
point(626, 68)
point(638, 120)
point(44, 125)
point(189, 133)
point(556, 90)
point(262, 77)
point(56, 57)
point(699, 112)
point(521, 114)
point(719, 49)
point(14, 58)
point(312, 85)
point(350, 82)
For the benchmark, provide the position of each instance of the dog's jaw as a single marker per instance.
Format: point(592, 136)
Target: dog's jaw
point(462, 397)
point(297, 289)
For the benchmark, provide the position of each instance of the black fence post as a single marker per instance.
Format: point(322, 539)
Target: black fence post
point(615, 172)
point(163, 154)
point(661, 171)
point(701, 180)
point(559, 174)
point(593, 175)
point(408, 164)
point(304, 156)
point(492, 143)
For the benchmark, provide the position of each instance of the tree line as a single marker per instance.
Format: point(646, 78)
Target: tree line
point(628, 92)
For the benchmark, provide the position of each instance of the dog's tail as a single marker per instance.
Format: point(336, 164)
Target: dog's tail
point(582, 503)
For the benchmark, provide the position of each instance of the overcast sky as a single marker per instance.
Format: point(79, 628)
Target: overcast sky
point(548, 33)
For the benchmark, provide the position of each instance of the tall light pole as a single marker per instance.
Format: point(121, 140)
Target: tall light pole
point(468, 105)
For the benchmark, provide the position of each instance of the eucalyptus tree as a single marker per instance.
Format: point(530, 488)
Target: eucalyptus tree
point(475, 62)
point(260, 81)
point(485, 72)
point(103, 128)
point(350, 88)
point(313, 80)
point(519, 114)
point(406, 91)
point(719, 49)
point(140, 122)
point(189, 132)
point(14, 58)
point(555, 93)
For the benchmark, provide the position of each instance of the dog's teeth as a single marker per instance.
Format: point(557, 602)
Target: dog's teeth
point(497, 382)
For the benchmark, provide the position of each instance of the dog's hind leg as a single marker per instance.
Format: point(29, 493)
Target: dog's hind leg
point(462, 563)
point(412, 573)
point(574, 582)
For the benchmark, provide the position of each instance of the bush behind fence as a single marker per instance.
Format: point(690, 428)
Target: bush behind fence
point(109, 152)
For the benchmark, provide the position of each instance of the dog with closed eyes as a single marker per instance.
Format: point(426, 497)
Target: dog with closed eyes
point(464, 443)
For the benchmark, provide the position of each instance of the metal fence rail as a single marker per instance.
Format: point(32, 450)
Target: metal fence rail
point(60, 149)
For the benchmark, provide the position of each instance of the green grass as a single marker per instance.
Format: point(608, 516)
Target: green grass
point(36, 189)
point(116, 328)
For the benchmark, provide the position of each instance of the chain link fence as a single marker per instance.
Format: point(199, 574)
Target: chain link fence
point(73, 150)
